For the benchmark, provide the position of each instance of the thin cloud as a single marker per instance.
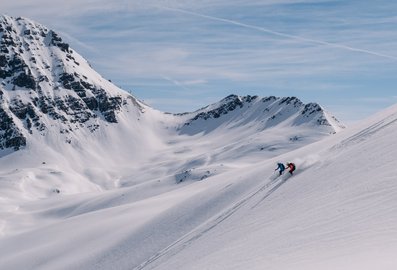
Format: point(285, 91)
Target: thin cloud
point(269, 31)
point(194, 82)
point(372, 100)
point(175, 82)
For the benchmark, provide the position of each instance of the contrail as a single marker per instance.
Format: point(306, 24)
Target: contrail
point(175, 82)
point(262, 29)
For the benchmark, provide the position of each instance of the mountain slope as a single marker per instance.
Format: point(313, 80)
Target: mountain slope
point(337, 212)
point(74, 129)
point(245, 128)
point(46, 85)
point(234, 111)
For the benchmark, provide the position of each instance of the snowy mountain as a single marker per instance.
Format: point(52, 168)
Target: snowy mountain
point(92, 178)
point(46, 85)
point(87, 132)
point(47, 90)
point(268, 112)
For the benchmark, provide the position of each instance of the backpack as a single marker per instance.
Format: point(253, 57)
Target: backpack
point(292, 167)
point(281, 166)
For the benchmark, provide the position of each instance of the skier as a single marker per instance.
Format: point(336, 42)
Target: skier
point(280, 167)
point(291, 167)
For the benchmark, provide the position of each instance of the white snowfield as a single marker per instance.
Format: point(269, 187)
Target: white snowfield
point(197, 190)
point(339, 210)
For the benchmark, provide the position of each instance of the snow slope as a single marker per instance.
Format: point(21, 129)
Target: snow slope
point(337, 212)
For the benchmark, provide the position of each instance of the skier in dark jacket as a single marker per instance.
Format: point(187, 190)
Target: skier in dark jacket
point(291, 167)
point(280, 168)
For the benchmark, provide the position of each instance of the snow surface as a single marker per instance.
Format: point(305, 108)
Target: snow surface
point(337, 212)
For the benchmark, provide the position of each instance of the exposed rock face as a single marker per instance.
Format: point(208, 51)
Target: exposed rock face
point(230, 103)
point(43, 81)
point(10, 135)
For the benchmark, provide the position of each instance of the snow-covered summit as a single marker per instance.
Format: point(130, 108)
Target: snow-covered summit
point(267, 112)
point(46, 85)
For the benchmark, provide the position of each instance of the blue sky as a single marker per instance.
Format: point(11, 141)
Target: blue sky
point(181, 55)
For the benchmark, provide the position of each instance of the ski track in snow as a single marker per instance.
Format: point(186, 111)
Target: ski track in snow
point(368, 132)
point(272, 190)
point(188, 239)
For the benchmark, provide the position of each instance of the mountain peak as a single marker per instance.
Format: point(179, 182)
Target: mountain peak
point(268, 111)
point(46, 83)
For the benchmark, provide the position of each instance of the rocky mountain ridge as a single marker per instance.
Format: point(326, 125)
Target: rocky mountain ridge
point(269, 111)
point(44, 81)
